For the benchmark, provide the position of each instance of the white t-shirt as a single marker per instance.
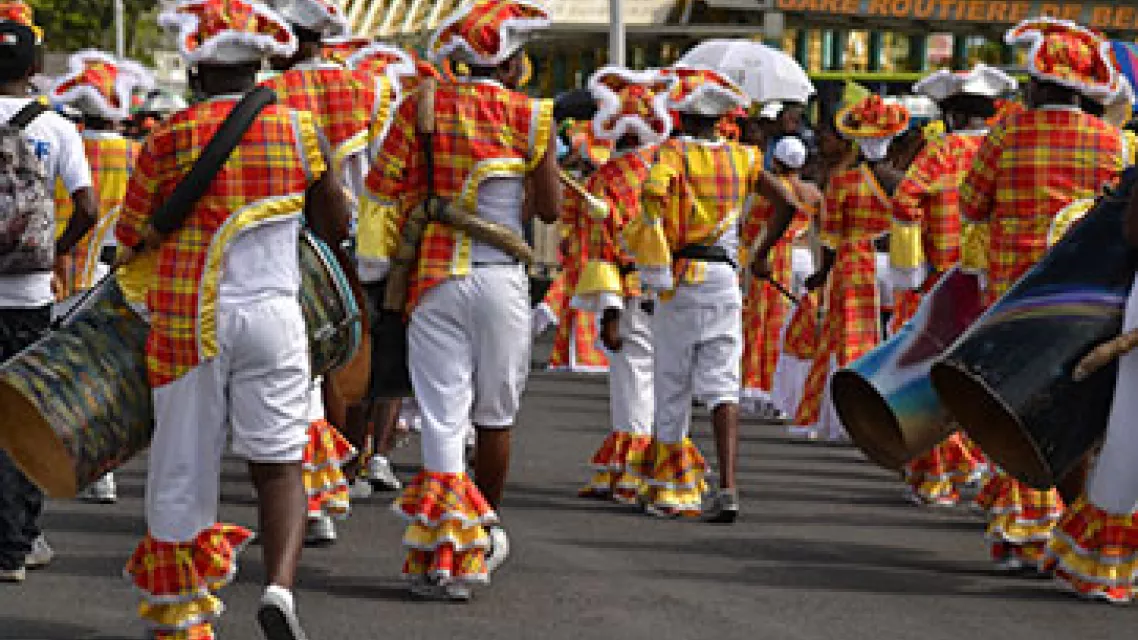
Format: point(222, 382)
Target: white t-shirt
point(57, 143)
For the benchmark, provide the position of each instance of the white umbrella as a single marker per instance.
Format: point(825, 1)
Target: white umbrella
point(766, 74)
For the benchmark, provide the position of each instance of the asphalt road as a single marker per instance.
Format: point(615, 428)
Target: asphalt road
point(826, 549)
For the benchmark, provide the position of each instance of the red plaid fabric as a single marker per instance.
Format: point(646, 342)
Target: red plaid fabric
point(855, 211)
point(342, 101)
point(111, 159)
point(619, 182)
point(1029, 167)
point(98, 75)
point(483, 129)
point(268, 165)
point(930, 196)
point(482, 25)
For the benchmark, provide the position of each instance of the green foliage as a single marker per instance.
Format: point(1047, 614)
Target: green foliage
point(70, 25)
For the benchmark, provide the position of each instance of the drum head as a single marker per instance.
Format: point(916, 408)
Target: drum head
point(991, 424)
point(34, 446)
point(868, 419)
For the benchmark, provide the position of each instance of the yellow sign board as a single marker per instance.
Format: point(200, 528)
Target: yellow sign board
point(1100, 14)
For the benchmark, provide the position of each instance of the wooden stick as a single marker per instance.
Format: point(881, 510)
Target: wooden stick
point(1104, 354)
point(600, 207)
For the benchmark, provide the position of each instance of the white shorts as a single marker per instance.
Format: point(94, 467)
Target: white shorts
point(257, 388)
point(469, 356)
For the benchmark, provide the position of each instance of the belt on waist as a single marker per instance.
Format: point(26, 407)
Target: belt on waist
point(704, 253)
point(495, 263)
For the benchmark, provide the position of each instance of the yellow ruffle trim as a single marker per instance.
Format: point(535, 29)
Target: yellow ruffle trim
point(181, 616)
point(445, 538)
point(905, 249)
point(598, 277)
point(1093, 548)
point(200, 631)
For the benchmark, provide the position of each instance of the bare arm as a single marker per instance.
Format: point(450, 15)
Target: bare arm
point(546, 185)
point(85, 215)
point(326, 205)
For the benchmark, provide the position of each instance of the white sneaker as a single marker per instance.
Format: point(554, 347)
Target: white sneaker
point(277, 615)
point(426, 588)
point(13, 575)
point(320, 531)
point(499, 549)
point(41, 554)
point(101, 491)
point(381, 476)
point(360, 489)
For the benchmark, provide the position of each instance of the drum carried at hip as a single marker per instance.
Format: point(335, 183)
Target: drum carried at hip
point(885, 399)
point(1009, 381)
point(77, 403)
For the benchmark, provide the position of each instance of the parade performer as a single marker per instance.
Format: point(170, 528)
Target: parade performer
point(100, 88)
point(1031, 165)
point(468, 300)
point(343, 103)
point(1094, 549)
point(767, 307)
point(27, 295)
point(633, 114)
point(857, 208)
point(925, 243)
point(227, 351)
point(685, 245)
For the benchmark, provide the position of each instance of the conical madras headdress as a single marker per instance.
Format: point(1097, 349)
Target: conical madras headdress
point(631, 102)
point(99, 85)
point(704, 92)
point(1069, 55)
point(487, 32)
point(228, 31)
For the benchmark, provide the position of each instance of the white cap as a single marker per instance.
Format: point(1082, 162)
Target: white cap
point(771, 110)
point(791, 152)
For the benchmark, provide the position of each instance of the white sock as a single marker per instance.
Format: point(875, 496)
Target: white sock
point(284, 594)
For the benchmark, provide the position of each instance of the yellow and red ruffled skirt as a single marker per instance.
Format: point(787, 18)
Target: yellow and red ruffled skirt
point(445, 538)
point(325, 455)
point(673, 478)
point(937, 477)
point(613, 476)
point(1020, 519)
point(177, 580)
point(1095, 553)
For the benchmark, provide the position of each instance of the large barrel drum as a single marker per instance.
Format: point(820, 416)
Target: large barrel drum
point(77, 404)
point(1008, 380)
point(885, 399)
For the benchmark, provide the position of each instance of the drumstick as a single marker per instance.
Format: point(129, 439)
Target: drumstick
point(596, 204)
point(781, 289)
point(1104, 354)
point(79, 304)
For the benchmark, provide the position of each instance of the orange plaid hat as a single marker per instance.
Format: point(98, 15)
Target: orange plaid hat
point(631, 103)
point(384, 59)
point(98, 85)
point(1069, 55)
point(582, 139)
point(322, 16)
point(228, 31)
point(704, 92)
point(21, 13)
point(340, 48)
point(487, 32)
point(871, 118)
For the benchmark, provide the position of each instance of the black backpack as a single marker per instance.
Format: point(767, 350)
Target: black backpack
point(27, 208)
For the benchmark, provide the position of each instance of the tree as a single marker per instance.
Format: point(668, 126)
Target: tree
point(71, 25)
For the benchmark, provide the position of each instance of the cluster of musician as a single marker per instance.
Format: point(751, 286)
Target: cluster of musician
point(281, 267)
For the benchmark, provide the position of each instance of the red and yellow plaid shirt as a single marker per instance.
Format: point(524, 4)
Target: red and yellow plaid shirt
point(111, 157)
point(618, 183)
point(483, 131)
point(343, 102)
point(264, 180)
point(1030, 166)
point(694, 193)
point(926, 212)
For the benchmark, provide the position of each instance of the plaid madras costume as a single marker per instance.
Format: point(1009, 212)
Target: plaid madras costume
point(926, 233)
point(264, 180)
point(608, 280)
point(855, 211)
point(576, 345)
point(483, 131)
point(694, 195)
point(765, 308)
point(1031, 165)
point(111, 157)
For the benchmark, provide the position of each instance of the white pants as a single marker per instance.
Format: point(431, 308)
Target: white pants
point(698, 345)
point(469, 356)
point(1113, 484)
point(630, 373)
point(257, 386)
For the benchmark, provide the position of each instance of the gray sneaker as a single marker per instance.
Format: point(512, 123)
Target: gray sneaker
point(101, 491)
point(722, 508)
point(380, 475)
point(13, 575)
point(41, 554)
point(425, 588)
point(277, 616)
point(320, 532)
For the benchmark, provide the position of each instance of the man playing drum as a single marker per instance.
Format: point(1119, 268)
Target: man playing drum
point(468, 300)
point(26, 297)
point(227, 351)
point(1030, 166)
